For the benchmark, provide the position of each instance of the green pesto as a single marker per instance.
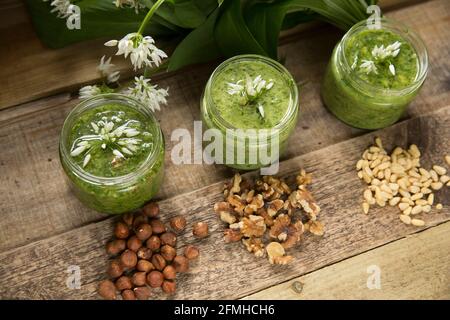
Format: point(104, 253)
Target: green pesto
point(103, 162)
point(359, 47)
point(246, 116)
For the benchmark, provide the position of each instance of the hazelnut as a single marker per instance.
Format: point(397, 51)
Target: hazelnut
point(151, 210)
point(169, 273)
point(142, 293)
point(169, 287)
point(155, 279)
point(134, 243)
point(191, 252)
point(128, 295)
point(115, 247)
point(123, 283)
point(144, 253)
point(153, 243)
point(169, 238)
point(138, 220)
point(178, 223)
point(143, 231)
point(107, 290)
point(181, 263)
point(144, 266)
point(158, 261)
point(200, 230)
point(157, 226)
point(115, 269)
point(128, 218)
point(168, 252)
point(128, 259)
point(121, 230)
point(139, 279)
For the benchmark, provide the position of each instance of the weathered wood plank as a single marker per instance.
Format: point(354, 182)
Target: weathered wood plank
point(33, 187)
point(226, 271)
point(69, 67)
point(416, 267)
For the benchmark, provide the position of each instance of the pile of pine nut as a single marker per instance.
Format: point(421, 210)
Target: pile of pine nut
point(399, 180)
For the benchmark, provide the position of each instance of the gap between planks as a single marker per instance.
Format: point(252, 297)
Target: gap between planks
point(414, 267)
point(228, 271)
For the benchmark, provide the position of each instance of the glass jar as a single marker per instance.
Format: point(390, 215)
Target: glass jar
point(251, 148)
point(359, 103)
point(114, 194)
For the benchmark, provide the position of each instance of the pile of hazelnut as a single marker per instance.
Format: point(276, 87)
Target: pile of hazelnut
point(145, 256)
point(267, 216)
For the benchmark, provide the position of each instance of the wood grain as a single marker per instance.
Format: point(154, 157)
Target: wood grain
point(415, 267)
point(38, 270)
point(33, 188)
point(52, 71)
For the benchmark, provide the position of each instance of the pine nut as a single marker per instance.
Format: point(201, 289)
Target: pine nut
point(436, 185)
point(430, 199)
point(447, 159)
point(368, 195)
point(426, 208)
point(407, 211)
point(414, 189)
point(403, 206)
point(394, 201)
point(414, 151)
point(417, 222)
point(416, 210)
point(434, 176)
point(366, 207)
point(439, 206)
point(378, 143)
point(408, 201)
point(440, 170)
point(417, 196)
point(421, 202)
point(405, 219)
point(444, 179)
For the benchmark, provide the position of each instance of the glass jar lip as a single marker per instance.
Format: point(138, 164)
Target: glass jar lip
point(406, 33)
point(293, 103)
point(96, 101)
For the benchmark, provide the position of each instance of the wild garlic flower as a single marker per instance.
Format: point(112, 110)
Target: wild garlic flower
point(136, 4)
point(109, 135)
point(368, 66)
point(142, 50)
point(148, 94)
point(381, 52)
point(105, 69)
point(250, 90)
point(89, 91)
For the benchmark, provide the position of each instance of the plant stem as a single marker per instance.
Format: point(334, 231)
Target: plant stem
point(149, 16)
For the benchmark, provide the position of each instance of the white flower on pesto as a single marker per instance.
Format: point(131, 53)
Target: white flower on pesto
point(105, 69)
point(392, 69)
point(87, 92)
point(142, 50)
point(355, 62)
point(368, 66)
point(148, 94)
point(250, 90)
point(136, 4)
point(106, 135)
point(381, 52)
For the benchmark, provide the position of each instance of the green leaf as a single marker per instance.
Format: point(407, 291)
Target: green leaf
point(198, 46)
point(99, 18)
point(231, 33)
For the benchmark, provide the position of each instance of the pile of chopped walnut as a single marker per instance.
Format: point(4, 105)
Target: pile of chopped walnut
point(268, 204)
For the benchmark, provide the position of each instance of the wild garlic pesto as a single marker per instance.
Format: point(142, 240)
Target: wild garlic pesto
point(112, 151)
point(373, 74)
point(250, 93)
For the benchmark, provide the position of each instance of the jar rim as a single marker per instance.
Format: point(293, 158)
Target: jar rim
point(96, 101)
point(293, 102)
point(408, 35)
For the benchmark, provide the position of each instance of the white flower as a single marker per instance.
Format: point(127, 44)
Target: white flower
point(89, 91)
point(392, 69)
point(129, 3)
point(105, 69)
point(142, 51)
point(149, 95)
point(251, 89)
point(368, 66)
point(235, 88)
point(381, 53)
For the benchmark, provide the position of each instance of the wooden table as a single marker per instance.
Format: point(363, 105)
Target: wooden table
point(44, 229)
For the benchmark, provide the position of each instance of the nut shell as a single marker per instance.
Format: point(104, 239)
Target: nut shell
point(123, 283)
point(115, 269)
point(169, 287)
point(181, 264)
point(169, 238)
point(128, 259)
point(133, 243)
point(128, 295)
point(139, 278)
point(153, 243)
point(151, 209)
point(121, 230)
point(178, 223)
point(157, 226)
point(143, 231)
point(158, 261)
point(144, 253)
point(115, 247)
point(168, 252)
point(191, 252)
point(144, 266)
point(200, 230)
point(169, 273)
point(107, 290)
point(155, 279)
point(142, 293)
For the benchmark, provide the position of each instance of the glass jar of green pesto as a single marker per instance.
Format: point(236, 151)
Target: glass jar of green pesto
point(374, 73)
point(112, 150)
point(252, 101)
